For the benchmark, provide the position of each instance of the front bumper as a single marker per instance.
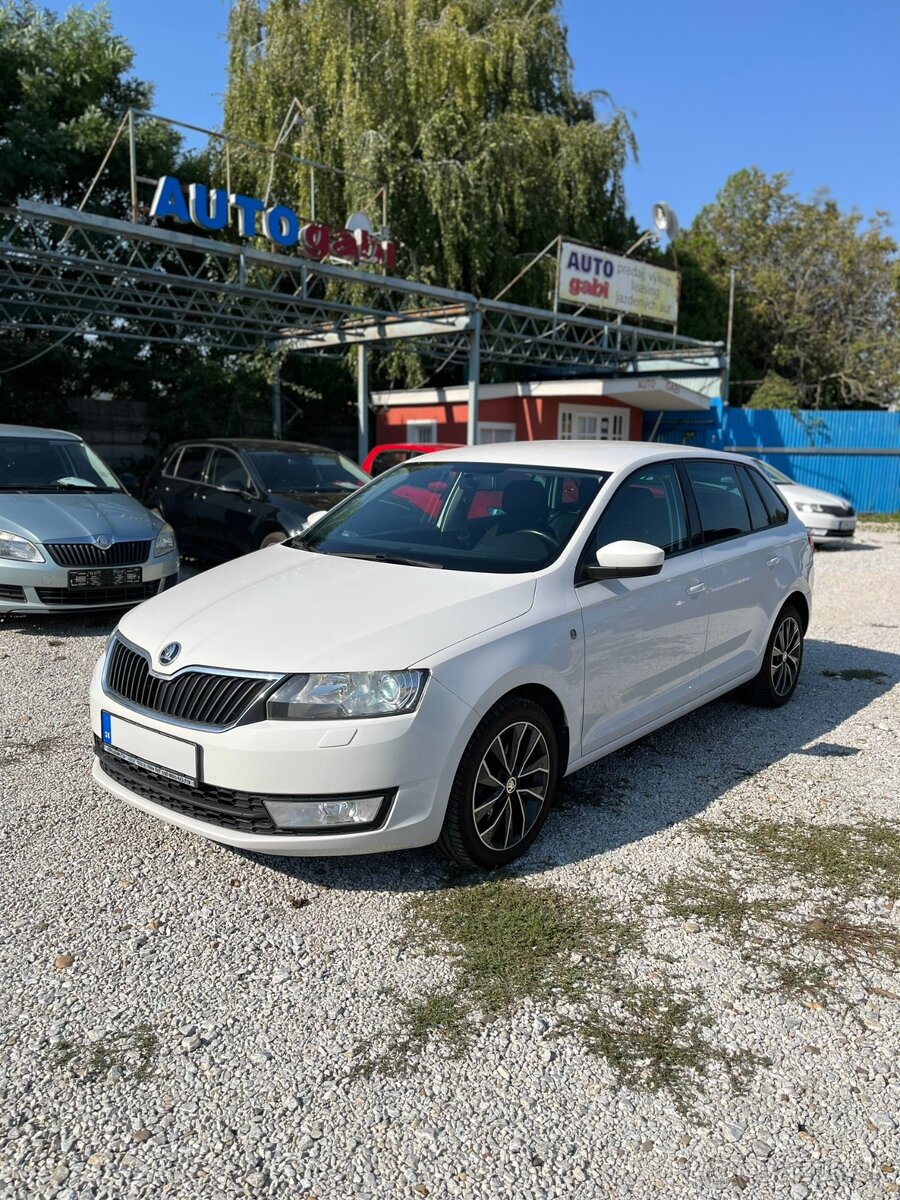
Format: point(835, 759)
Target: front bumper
point(825, 528)
point(410, 759)
point(44, 587)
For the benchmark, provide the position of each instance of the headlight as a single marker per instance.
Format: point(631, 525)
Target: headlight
point(18, 548)
point(343, 695)
point(165, 541)
point(810, 508)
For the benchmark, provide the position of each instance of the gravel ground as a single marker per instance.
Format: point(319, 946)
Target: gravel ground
point(181, 1020)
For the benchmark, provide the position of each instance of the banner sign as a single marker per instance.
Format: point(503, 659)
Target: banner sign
point(213, 209)
point(625, 285)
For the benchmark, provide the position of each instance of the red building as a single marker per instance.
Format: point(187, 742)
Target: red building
point(604, 409)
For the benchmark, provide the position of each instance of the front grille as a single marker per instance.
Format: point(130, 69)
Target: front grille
point(196, 697)
point(241, 811)
point(130, 594)
point(87, 554)
point(837, 510)
point(9, 591)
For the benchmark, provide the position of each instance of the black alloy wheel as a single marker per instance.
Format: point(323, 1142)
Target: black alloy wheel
point(780, 670)
point(504, 786)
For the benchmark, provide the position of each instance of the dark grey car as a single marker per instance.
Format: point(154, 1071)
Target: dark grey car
point(228, 496)
point(70, 535)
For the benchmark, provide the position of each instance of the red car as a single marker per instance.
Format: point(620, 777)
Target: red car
point(388, 454)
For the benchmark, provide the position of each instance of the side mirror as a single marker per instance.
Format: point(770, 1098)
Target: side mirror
point(314, 517)
point(129, 481)
point(626, 560)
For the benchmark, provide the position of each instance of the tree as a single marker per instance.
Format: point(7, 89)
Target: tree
point(466, 110)
point(64, 87)
point(817, 298)
point(774, 392)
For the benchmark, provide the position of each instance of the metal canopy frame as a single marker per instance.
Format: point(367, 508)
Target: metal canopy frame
point(67, 271)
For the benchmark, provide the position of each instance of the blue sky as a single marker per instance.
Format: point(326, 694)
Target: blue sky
point(803, 86)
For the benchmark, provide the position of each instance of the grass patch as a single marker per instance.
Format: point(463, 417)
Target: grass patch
point(805, 944)
point(892, 519)
point(133, 1051)
point(510, 942)
point(851, 860)
point(869, 675)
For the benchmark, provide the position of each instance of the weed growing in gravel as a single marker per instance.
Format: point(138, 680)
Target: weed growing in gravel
point(20, 751)
point(850, 860)
point(510, 942)
point(866, 673)
point(806, 943)
point(131, 1050)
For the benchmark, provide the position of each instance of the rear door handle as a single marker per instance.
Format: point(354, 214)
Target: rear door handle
point(696, 589)
point(773, 562)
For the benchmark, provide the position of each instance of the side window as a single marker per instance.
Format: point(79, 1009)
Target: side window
point(775, 505)
point(190, 465)
point(720, 501)
point(389, 458)
point(226, 470)
point(170, 463)
point(647, 507)
point(759, 517)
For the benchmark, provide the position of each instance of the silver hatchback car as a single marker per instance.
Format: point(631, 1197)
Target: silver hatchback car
point(70, 536)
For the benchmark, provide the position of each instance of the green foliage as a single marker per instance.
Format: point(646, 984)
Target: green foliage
point(775, 392)
point(465, 110)
point(64, 88)
point(817, 297)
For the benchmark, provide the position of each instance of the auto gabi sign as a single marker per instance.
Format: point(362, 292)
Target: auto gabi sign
point(213, 209)
point(601, 280)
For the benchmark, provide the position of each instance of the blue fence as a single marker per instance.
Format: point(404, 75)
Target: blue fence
point(854, 454)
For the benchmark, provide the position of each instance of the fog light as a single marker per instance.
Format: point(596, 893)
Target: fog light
point(327, 812)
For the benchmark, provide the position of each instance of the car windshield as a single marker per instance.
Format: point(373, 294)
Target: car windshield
point(52, 465)
point(462, 516)
point(307, 471)
point(774, 474)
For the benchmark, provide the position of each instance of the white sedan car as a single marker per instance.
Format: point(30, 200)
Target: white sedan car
point(427, 660)
point(827, 516)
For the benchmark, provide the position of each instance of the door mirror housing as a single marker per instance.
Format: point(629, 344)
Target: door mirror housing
point(315, 516)
point(626, 560)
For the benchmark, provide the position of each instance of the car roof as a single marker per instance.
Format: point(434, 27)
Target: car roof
point(421, 447)
point(581, 455)
point(34, 431)
point(252, 444)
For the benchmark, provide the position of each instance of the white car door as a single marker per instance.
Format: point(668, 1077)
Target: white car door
point(744, 557)
point(644, 637)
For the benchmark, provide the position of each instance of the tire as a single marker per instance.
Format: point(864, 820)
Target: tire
point(272, 539)
point(780, 670)
point(510, 817)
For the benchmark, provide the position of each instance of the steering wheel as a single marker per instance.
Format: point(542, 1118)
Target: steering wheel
point(548, 537)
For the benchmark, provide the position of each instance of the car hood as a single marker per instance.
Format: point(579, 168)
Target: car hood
point(55, 516)
point(799, 493)
point(307, 500)
point(287, 610)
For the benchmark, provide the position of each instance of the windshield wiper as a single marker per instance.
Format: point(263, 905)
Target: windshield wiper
point(390, 558)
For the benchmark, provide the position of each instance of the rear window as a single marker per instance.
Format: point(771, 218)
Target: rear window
point(720, 501)
point(190, 465)
point(775, 506)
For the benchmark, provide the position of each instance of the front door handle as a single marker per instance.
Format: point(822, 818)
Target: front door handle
point(696, 589)
point(773, 562)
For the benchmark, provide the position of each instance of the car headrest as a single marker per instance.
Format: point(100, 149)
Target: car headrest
point(525, 500)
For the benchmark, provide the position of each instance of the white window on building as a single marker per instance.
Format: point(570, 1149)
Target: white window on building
point(583, 422)
point(490, 432)
point(421, 431)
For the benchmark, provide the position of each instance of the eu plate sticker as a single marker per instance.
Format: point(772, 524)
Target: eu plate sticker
point(106, 728)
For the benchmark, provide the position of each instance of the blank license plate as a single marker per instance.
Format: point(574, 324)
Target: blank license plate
point(170, 757)
point(107, 577)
